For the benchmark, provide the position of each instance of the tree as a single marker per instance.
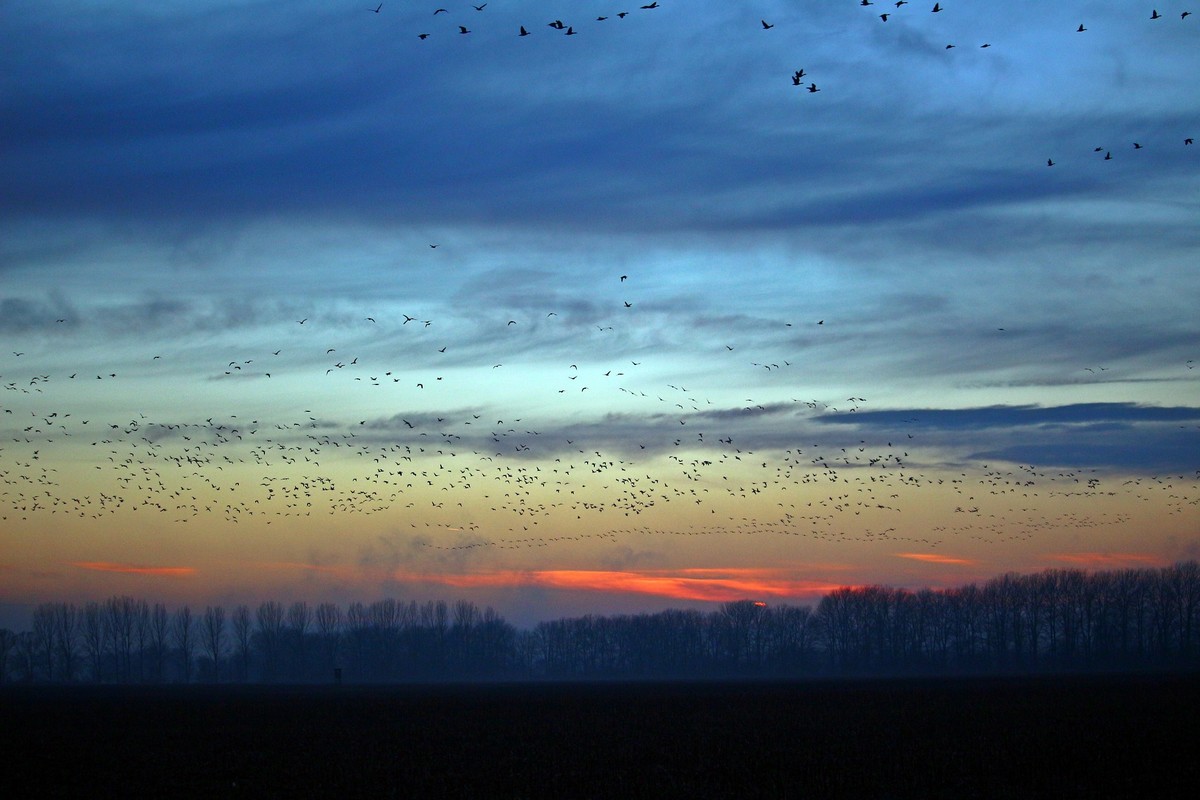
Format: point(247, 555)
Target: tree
point(184, 639)
point(329, 631)
point(213, 634)
point(66, 619)
point(159, 628)
point(8, 643)
point(270, 633)
point(242, 633)
point(95, 638)
point(120, 613)
point(44, 638)
point(141, 635)
point(299, 620)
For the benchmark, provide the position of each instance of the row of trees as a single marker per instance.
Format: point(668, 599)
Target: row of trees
point(1057, 619)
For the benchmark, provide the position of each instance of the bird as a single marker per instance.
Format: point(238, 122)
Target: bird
point(523, 31)
point(1049, 162)
point(376, 8)
point(812, 87)
point(479, 8)
point(1080, 29)
point(1155, 15)
point(423, 36)
point(1188, 140)
point(463, 29)
point(937, 7)
point(652, 5)
point(767, 25)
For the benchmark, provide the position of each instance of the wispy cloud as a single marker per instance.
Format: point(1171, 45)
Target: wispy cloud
point(135, 569)
point(936, 558)
point(1107, 560)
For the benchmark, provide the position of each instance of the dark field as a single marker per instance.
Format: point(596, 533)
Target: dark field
point(1037, 737)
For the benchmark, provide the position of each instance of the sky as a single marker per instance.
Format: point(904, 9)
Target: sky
point(663, 307)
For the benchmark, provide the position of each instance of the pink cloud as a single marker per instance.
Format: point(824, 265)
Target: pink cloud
point(134, 569)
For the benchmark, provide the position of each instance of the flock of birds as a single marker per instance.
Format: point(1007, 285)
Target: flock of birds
point(895, 7)
point(466, 478)
point(471, 478)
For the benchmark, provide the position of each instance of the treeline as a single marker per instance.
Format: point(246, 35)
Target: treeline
point(1048, 621)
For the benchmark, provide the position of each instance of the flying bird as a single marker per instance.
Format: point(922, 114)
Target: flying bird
point(767, 25)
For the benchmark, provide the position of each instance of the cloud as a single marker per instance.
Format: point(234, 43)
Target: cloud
point(935, 558)
point(1107, 561)
point(710, 585)
point(135, 569)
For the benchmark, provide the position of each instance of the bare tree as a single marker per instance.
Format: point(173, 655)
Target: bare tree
point(8, 642)
point(242, 631)
point(213, 634)
point(159, 628)
point(120, 612)
point(270, 631)
point(66, 619)
point(329, 629)
point(26, 656)
point(299, 620)
point(141, 635)
point(183, 637)
point(95, 638)
point(44, 637)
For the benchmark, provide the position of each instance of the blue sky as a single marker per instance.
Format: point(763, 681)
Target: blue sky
point(659, 212)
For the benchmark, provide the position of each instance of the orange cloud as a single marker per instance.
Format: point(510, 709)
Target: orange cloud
point(935, 558)
point(718, 585)
point(134, 569)
point(1108, 560)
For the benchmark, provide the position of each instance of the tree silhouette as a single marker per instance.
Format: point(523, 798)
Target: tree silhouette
point(184, 638)
point(213, 636)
